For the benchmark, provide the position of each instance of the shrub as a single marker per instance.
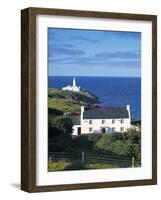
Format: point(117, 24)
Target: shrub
point(104, 142)
point(117, 136)
point(83, 143)
point(94, 137)
point(133, 136)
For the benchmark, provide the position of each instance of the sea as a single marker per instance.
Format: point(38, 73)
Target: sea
point(111, 91)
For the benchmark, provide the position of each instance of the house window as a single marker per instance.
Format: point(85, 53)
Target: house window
point(113, 129)
point(103, 121)
point(113, 121)
point(122, 129)
point(122, 121)
point(90, 129)
point(90, 121)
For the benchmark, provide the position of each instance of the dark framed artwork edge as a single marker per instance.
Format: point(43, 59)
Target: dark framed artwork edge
point(154, 99)
point(85, 13)
point(96, 185)
point(28, 99)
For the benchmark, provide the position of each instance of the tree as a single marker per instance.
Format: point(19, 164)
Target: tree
point(60, 130)
point(64, 124)
point(133, 136)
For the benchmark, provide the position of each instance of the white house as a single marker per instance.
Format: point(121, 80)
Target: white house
point(101, 120)
point(73, 88)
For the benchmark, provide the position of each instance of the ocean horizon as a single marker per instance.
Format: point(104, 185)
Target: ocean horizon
point(111, 90)
point(94, 76)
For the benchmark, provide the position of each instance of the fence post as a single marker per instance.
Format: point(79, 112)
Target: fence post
point(133, 161)
point(49, 159)
point(82, 157)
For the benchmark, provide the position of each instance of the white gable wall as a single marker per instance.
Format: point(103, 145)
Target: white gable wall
point(75, 129)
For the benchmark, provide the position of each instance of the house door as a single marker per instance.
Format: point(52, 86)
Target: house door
point(103, 130)
point(79, 130)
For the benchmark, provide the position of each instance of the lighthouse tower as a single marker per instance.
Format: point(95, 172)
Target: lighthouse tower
point(74, 82)
point(73, 88)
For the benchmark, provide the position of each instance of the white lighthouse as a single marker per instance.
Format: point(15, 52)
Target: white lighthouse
point(74, 82)
point(73, 88)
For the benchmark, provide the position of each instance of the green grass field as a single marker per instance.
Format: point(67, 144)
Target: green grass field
point(64, 105)
point(96, 151)
point(68, 101)
point(66, 165)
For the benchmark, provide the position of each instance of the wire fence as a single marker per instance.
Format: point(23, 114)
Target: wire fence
point(93, 158)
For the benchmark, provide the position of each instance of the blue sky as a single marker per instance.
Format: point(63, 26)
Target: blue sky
point(75, 52)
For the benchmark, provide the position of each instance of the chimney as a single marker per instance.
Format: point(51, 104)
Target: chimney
point(128, 109)
point(82, 110)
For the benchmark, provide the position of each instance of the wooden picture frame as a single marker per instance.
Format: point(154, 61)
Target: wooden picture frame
point(28, 98)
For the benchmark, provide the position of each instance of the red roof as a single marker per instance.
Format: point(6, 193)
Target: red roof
point(72, 114)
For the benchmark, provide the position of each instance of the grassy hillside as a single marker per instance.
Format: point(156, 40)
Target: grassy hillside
point(64, 105)
point(60, 101)
point(82, 96)
point(101, 151)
